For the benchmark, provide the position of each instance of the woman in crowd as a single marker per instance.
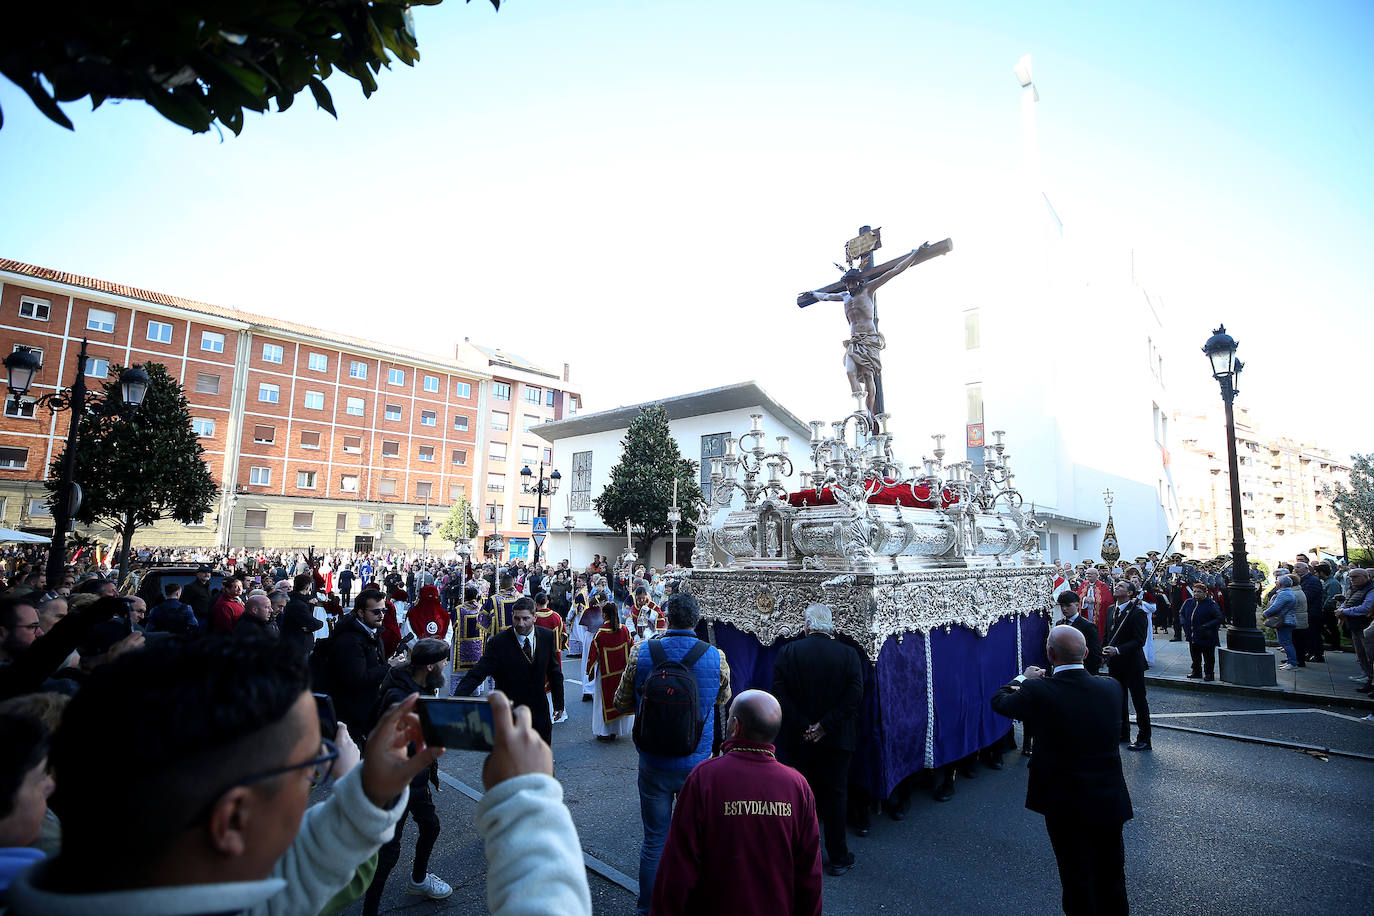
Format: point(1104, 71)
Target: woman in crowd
point(606, 662)
point(1282, 615)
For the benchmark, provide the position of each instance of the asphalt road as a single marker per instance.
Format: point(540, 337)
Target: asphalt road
point(1222, 826)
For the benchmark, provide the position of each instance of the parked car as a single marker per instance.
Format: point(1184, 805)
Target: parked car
point(156, 579)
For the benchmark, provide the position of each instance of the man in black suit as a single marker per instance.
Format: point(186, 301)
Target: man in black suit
point(819, 682)
point(521, 659)
point(1128, 626)
point(1075, 773)
point(1070, 606)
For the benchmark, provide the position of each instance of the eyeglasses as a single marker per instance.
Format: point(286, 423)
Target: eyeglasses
point(323, 765)
point(29, 626)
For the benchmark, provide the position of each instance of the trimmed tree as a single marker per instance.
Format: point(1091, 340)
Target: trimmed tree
point(137, 467)
point(202, 62)
point(459, 523)
point(641, 486)
point(1354, 505)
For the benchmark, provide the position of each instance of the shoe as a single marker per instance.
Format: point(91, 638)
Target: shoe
point(993, 763)
point(586, 698)
point(1318, 661)
point(968, 772)
point(433, 887)
point(837, 869)
point(1208, 679)
point(1369, 718)
point(1139, 746)
point(898, 811)
point(1177, 639)
point(945, 791)
point(862, 828)
point(1367, 688)
point(1287, 667)
point(1194, 675)
point(573, 655)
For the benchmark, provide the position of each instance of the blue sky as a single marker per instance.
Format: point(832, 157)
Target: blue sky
point(596, 182)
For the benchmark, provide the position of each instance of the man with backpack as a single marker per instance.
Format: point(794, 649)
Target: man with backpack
point(672, 736)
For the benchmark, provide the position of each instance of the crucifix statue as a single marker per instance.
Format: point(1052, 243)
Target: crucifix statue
point(862, 362)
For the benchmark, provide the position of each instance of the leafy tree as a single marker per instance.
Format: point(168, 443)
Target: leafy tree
point(201, 61)
point(137, 467)
point(1354, 505)
point(459, 523)
point(641, 487)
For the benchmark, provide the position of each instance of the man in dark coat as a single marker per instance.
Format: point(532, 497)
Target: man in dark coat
point(198, 595)
point(819, 682)
point(521, 660)
point(256, 620)
point(298, 622)
point(1070, 606)
point(356, 664)
point(1128, 628)
point(1201, 621)
point(1075, 777)
point(1312, 647)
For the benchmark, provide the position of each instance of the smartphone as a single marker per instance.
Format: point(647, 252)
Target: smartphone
point(329, 723)
point(457, 723)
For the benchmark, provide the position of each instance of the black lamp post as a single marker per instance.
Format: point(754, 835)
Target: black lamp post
point(20, 368)
point(541, 487)
point(1243, 635)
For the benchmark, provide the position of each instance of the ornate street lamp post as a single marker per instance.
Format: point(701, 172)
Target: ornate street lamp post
point(20, 368)
point(541, 487)
point(1245, 659)
point(569, 523)
point(674, 519)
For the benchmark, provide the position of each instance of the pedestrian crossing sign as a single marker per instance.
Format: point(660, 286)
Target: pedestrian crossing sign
point(541, 525)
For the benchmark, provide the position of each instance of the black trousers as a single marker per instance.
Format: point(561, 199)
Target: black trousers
point(827, 772)
point(1204, 659)
point(420, 808)
point(1092, 867)
point(1313, 646)
point(1133, 684)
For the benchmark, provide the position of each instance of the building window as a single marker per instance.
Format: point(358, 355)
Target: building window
point(429, 418)
point(495, 512)
point(519, 548)
point(271, 353)
point(357, 369)
point(391, 449)
point(314, 400)
point(423, 489)
point(310, 438)
point(317, 362)
point(387, 486)
point(529, 454)
point(581, 495)
point(305, 480)
point(96, 367)
point(212, 342)
point(460, 457)
point(426, 453)
point(341, 520)
point(202, 427)
point(432, 383)
point(496, 451)
point(532, 395)
point(460, 423)
point(496, 483)
point(34, 309)
point(455, 490)
point(355, 407)
point(972, 331)
point(207, 383)
point(348, 483)
point(98, 320)
point(269, 394)
point(500, 421)
point(526, 515)
point(39, 508)
point(20, 410)
point(548, 397)
point(531, 422)
point(463, 389)
point(572, 405)
point(255, 518)
point(13, 457)
point(1075, 542)
point(548, 456)
point(264, 435)
point(303, 520)
point(160, 332)
point(396, 376)
point(353, 445)
point(260, 477)
point(389, 520)
point(500, 391)
point(974, 396)
point(393, 412)
point(366, 520)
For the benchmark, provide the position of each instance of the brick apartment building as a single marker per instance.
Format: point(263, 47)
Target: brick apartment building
point(316, 439)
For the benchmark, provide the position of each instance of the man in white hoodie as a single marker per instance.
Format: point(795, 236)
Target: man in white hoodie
point(184, 773)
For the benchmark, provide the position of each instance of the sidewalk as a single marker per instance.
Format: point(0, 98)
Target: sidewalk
point(1327, 682)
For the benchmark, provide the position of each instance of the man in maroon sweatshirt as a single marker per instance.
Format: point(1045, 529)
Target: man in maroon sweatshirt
point(744, 837)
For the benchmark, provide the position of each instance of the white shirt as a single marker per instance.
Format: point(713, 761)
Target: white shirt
point(526, 641)
point(1058, 668)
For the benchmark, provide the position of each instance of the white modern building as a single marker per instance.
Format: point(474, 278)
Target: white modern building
point(588, 446)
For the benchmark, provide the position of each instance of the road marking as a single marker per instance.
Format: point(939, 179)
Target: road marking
point(1348, 717)
point(609, 872)
point(1272, 742)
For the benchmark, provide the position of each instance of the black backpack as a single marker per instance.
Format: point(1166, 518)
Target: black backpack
point(669, 720)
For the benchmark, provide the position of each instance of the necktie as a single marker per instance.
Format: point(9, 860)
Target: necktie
point(529, 653)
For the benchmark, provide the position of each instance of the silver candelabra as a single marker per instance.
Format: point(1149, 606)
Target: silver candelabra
point(750, 463)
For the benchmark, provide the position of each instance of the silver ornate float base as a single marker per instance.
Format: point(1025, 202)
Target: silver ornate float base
point(869, 607)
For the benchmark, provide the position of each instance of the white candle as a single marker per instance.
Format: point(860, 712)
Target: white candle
point(782, 445)
point(675, 491)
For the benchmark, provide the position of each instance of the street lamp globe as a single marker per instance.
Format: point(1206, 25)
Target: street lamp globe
point(554, 480)
point(1221, 350)
point(525, 475)
point(20, 368)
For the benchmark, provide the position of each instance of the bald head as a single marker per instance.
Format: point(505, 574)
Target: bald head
point(757, 715)
point(259, 605)
point(1066, 646)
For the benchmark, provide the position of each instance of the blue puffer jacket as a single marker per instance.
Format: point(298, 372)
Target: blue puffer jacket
point(676, 644)
point(1283, 610)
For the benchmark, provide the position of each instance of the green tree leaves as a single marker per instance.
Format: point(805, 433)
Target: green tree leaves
point(1354, 505)
point(641, 486)
point(459, 523)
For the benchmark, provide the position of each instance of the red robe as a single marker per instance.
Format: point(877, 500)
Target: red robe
point(1104, 599)
point(428, 619)
point(550, 620)
point(610, 650)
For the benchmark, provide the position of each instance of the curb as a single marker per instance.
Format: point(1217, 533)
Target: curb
point(1355, 702)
